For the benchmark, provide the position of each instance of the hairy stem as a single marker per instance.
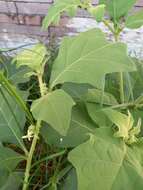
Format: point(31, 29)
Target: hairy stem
point(30, 156)
point(34, 141)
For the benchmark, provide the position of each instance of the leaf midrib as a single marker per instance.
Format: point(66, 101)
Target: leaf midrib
point(81, 58)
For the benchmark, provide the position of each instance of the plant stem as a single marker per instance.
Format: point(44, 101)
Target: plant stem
point(116, 31)
point(49, 158)
point(41, 84)
point(121, 78)
point(30, 155)
point(121, 87)
point(34, 141)
point(106, 23)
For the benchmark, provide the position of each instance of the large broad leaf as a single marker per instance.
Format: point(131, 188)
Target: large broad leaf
point(59, 7)
point(135, 20)
point(118, 8)
point(81, 59)
point(77, 91)
point(54, 108)
point(93, 98)
point(96, 113)
point(70, 181)
point(80, 127)
point(107, 163)
point(136, 79)
point(12, 119)
point(13, 182)
point(97, 96)
point(8, 162)
point(33, 58)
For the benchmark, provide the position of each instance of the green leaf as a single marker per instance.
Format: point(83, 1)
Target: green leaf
point(107, 163)
point(96, 113)
point(136, 79)
point(135, 20)
point(118, 8)
point(54, 12)
point(14, 74)
point(53, 187)
point(94, 96)
point(54, 108)
point(76, 91)
point(34, 58)
point(8, 162)
point(70, 181)
point(122, 121)
point(81, 59)
point(81, 125)
point(97, 12)
point(13, 182)
point(124, 124)
point(12, 119)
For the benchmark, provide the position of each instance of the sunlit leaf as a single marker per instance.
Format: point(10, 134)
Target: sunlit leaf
point(97, 12)
point(33, 58)
point(107, 163)
point(118, 8)
point(59, 7)
point(81, 59)
point(135, 20)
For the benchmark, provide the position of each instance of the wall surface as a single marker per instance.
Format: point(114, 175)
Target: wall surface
point(25, 17)
point(20, 22)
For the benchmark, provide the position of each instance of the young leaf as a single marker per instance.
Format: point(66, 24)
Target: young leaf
point(54, 108)
point(122, 121)
point(124, 124)
point(118, 8)
point(59, 7)
point(81, 59)
point(97, 12)
point(135, 21)
point(107, 163)
point(33, 58)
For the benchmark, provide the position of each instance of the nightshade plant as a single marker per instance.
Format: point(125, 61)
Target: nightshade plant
point(83, 131)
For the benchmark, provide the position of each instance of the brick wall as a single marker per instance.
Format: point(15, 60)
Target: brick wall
point(25, 17)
